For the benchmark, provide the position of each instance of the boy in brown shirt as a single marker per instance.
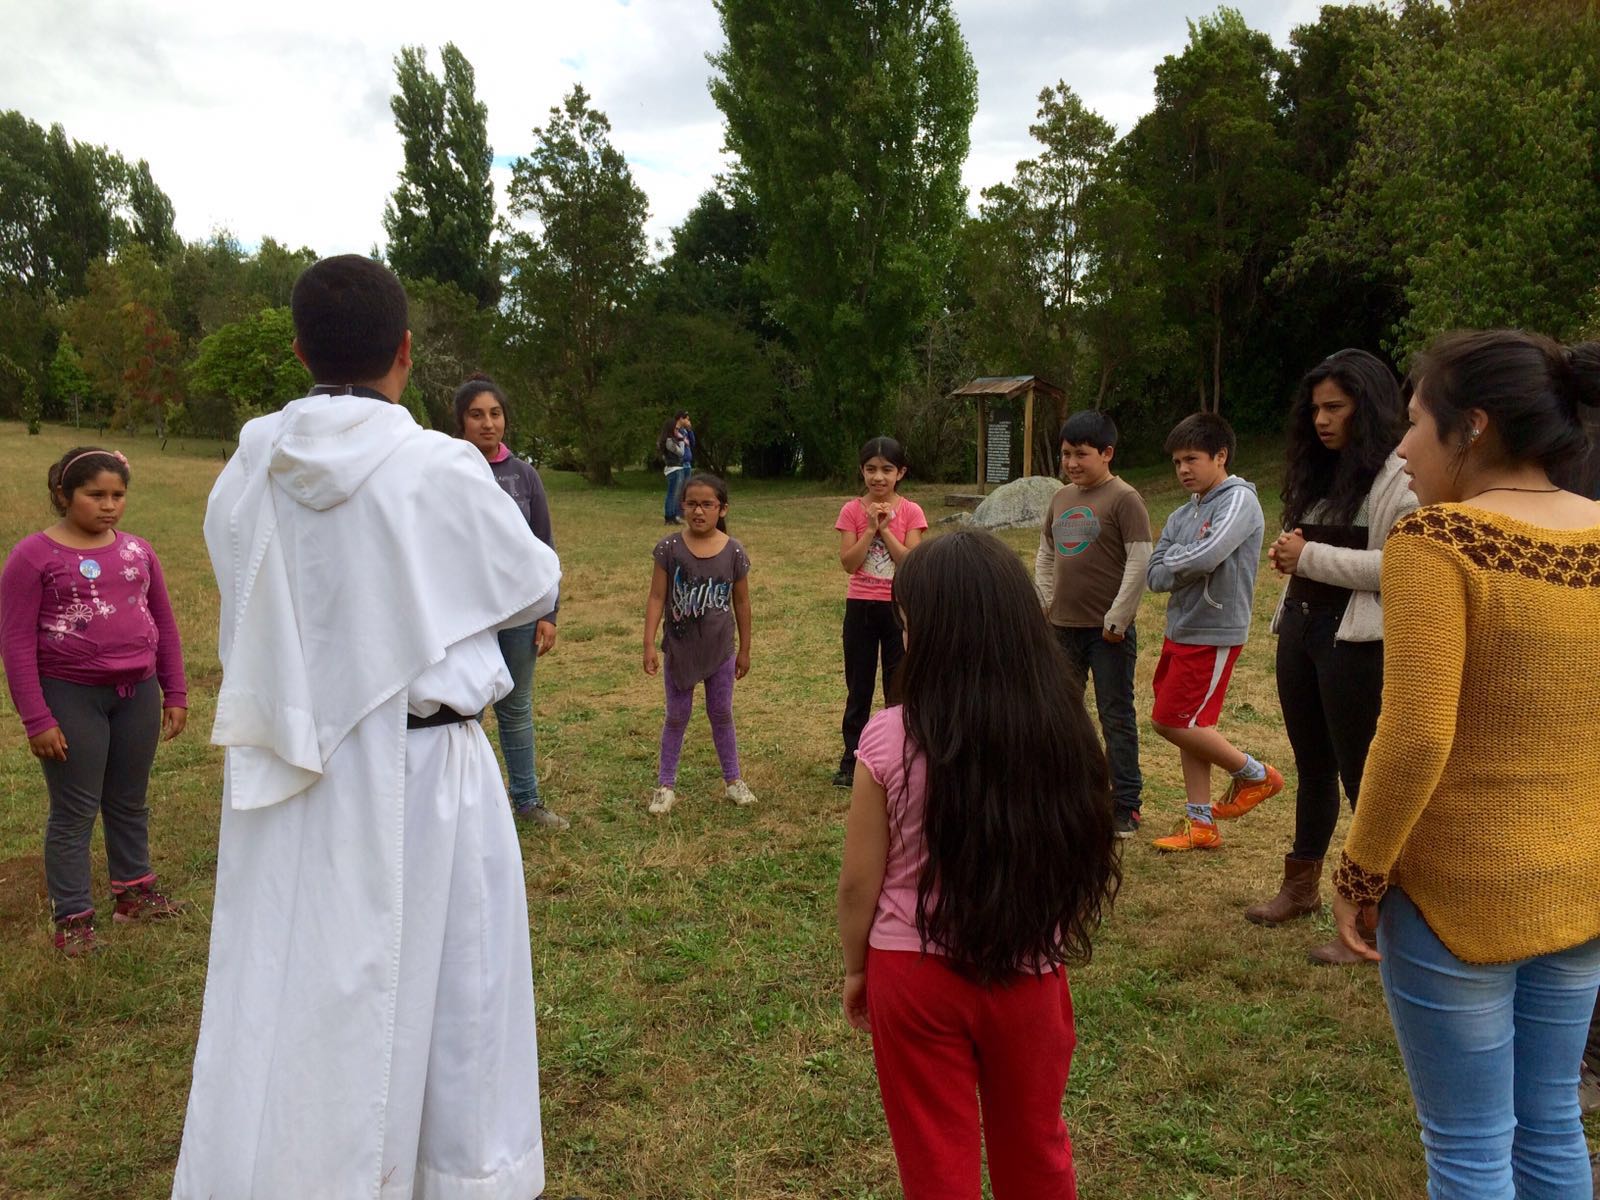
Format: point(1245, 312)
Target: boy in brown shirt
point(1090, 572)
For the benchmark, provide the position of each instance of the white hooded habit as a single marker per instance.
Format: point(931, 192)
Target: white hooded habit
point(368, 1028)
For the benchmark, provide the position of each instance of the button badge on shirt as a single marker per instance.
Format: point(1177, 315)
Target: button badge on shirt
point(89, 569)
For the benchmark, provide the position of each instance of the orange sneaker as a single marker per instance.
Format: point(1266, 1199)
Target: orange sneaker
point(1191, 835)
point(1243, 795)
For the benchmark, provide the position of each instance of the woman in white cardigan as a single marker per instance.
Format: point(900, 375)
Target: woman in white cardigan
point(1343, 490)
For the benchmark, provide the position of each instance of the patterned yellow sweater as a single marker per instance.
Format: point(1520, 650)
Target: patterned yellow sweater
point(1481, 796)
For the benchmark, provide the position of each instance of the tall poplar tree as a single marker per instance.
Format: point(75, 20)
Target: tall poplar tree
point(850, 123)
point(440, 220)
point(574, 273)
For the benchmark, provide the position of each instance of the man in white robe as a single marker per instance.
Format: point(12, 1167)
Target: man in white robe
point(368, 1028)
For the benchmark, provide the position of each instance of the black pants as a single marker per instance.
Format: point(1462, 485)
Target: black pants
point(111, 744)
point(871, 631)
point(1329, 692)
point(1111, 665)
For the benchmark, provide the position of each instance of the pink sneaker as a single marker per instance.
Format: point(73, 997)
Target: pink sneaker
point(75, 935)
point(142, 902)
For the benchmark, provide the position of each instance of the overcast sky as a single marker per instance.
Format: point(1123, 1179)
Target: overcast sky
point(273, 118)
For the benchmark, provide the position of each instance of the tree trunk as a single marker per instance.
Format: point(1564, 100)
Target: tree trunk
point(1216, 350)
point(1105, 386)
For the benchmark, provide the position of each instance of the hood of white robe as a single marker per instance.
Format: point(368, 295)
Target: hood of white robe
point(352, 549)
point(328, 448)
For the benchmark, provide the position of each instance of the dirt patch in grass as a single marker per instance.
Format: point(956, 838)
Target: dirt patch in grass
point(23, 899)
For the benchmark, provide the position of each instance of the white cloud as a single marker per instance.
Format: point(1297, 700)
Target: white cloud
point(274, 119)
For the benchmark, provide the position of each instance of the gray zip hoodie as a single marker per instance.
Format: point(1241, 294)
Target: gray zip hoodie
point(1207, 557)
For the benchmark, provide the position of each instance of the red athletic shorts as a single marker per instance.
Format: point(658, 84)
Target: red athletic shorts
point(1191, 682)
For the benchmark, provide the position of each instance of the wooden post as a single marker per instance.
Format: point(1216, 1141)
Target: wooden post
point(1027, 433)
point(983, 446)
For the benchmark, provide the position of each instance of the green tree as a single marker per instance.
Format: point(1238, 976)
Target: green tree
point(573, 277)
point(1213, 160)
point(70, 387)
point(129, 350)
point(1473, 185)
point(65, 205)
point(54, 220)
point(1123, 321)
point(704, 362)
point(1025, 259)
point(440, 220)
point(242, 370)
point(448, 335)
point(850, 123)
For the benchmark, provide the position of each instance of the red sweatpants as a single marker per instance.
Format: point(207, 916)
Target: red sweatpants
point(940, 1042)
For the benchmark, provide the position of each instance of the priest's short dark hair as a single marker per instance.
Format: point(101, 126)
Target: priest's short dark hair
point(349, 318)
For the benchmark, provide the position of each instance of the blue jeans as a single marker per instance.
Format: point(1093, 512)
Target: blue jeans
point(673, 509)
point(514, 715)
point(1492, 1052)
point(1111, 665)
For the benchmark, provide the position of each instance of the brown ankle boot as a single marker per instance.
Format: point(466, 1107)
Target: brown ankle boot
point(1337, 954)
point(1298, 897)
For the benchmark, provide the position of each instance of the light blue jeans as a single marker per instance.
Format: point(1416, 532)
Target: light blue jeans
point(514, 715)
point(1492, 1053)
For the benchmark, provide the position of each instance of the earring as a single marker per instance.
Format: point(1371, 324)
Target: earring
point(1473, 436)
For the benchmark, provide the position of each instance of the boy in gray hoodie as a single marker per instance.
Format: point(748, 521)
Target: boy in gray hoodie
point(1207, 558)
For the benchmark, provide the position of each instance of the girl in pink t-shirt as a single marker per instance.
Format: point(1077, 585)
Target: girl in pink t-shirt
point(95, 669)
point(876, 532)
point(979, 853)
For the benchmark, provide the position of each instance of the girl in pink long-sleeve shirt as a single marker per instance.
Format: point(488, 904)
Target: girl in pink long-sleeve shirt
point(95, 669)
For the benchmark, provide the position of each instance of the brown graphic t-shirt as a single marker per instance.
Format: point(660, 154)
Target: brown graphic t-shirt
point(1089, 530)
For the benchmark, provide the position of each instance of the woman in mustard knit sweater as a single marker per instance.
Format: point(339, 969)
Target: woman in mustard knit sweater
point(1478, 835)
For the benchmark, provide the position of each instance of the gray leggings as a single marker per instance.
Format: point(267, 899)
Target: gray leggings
point(111, 744)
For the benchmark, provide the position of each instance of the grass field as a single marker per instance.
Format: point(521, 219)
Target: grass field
point(691, 1041)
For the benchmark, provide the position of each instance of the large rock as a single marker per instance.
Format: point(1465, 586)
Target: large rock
point(1019, 504)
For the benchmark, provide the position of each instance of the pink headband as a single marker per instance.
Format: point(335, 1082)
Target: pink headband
point(116, 454)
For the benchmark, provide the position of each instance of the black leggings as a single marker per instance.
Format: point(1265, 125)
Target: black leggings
point(1329, 692)
point(871, 630)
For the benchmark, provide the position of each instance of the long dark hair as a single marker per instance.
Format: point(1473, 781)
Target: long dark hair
point(1341, 479)
point(475, 386)
point(1533, 388)
point(1021, 856)
point(707, 480)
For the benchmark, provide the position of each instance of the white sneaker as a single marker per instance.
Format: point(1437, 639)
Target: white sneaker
point(662, 800)
point(739, 792)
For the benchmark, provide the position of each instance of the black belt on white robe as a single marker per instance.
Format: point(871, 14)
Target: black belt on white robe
point(445, 716)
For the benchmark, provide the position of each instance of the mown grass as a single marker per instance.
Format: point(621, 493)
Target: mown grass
point(690, 1037)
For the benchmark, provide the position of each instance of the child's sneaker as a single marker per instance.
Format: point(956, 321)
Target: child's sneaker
point(844, 777)
point(1191, 835)
point(75, 935)
point(1126, 823)
point(739, 792)
point(662, 800)
point(143, 903)
point(1245, 794)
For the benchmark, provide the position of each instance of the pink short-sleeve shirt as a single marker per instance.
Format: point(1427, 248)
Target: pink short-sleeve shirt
point(874, 578)
point(883, 751)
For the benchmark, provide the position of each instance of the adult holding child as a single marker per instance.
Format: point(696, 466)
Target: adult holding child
point(1479, 825)
point(676, 448)
point(482, 413)
point(1344, 488)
